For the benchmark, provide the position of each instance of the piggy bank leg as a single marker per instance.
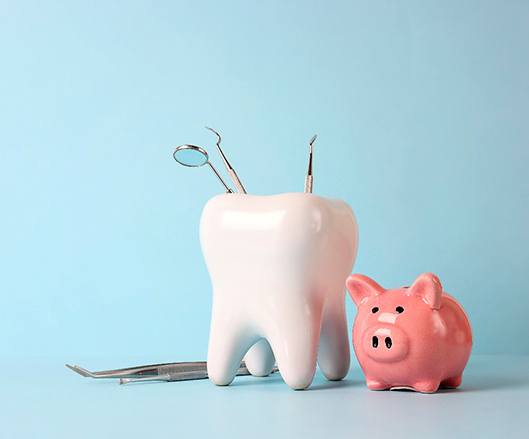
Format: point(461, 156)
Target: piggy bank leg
point(426, 386)
point(334, 356)
point(295, 341)
point(260, 359)
point(373, 384)
point(228, 342)
point(452, 383)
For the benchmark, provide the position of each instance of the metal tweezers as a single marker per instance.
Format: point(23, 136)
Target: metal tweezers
point(194, 370)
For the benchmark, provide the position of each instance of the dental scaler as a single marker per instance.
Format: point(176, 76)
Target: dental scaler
point(308, 178)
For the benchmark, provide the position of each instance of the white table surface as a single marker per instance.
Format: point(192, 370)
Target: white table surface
point(43, 399)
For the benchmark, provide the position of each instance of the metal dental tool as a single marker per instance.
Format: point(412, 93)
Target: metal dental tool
point(194, 156)
point(233, 175)
point(308, 178)
point(195, 370)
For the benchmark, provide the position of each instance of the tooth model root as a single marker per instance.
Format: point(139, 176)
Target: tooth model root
point(293, 340)
point(295, 343)
point(260, 359)
point(334, 355)
point(228, 343)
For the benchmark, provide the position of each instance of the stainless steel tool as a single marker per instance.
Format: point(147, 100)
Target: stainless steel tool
point(308, 178)
point(193, 156)
point(233, 175)
point(184, 371)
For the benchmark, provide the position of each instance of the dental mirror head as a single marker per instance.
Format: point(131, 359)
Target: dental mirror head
point(193, 156)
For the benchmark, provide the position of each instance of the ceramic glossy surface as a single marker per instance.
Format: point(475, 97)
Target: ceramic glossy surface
point(417, 337)
point(278, 266)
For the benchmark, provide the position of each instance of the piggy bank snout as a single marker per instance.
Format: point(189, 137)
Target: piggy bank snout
point(385, 343)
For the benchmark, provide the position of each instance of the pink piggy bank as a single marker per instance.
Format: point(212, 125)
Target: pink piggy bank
point(414, 337)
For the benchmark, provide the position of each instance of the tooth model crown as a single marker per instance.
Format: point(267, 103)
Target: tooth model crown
point(278, 266)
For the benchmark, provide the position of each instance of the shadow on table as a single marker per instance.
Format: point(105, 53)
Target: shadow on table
point(335, 384)
point(493, 382)
point(483, 376)
point(319, 383)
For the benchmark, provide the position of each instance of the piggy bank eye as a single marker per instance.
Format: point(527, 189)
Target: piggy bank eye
point(399, 309)
point(374, 310)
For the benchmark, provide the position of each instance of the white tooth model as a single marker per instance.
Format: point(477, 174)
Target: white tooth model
point(278, 266)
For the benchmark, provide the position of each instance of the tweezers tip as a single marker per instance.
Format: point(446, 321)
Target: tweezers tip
point(78, 370)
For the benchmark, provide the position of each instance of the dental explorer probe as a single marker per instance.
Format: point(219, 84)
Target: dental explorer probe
point(308, 178)
point(233, 175)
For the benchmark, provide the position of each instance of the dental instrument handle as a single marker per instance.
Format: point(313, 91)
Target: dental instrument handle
point(308, 184)
point(308, 177)
point(199, 374)
point(228, 190)
point(179, 376)
point(236, 181)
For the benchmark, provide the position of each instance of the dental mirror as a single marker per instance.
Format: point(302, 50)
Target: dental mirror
point(193, 156)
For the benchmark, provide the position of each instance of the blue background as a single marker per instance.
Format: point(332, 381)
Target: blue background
point(422, 112)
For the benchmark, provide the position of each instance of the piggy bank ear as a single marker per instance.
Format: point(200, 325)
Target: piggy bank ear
point(429, 288)
point(361, 287)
